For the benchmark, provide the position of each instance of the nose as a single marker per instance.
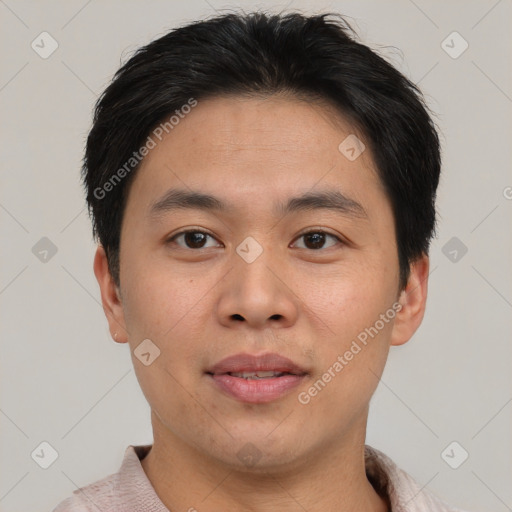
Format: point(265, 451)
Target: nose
point(258, 294)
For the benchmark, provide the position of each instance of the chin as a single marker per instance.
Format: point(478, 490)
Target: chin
point(254, 453)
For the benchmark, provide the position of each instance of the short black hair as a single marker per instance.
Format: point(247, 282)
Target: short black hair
point(240, 53)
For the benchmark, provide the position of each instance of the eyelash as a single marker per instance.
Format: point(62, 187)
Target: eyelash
point(315, 231)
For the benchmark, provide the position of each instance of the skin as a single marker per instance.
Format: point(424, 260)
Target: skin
point(199, 305)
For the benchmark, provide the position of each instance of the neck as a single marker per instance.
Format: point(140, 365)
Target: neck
point(333, 478)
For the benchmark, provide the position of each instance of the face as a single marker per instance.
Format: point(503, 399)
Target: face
point(273, 266)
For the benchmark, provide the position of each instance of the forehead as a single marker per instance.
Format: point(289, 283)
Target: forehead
point(245, 147)
point(280, 124)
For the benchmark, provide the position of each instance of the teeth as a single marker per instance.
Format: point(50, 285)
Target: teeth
point(256, 375)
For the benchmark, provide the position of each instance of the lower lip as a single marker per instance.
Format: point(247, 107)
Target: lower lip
point(257, 391)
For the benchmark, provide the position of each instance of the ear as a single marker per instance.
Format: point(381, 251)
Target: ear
point(413, 301)
point(110, 297)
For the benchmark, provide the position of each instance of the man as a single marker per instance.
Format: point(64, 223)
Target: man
point(263, 191)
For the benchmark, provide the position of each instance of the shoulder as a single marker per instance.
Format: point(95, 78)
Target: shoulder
point(403, 491)
point(91, 498)
point(115, 492)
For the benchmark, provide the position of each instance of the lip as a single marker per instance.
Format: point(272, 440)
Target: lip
point(256, 390)
point(253, 363)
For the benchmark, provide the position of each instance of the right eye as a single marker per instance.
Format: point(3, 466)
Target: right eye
point(193, 239)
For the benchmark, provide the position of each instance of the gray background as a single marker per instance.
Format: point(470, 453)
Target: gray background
point(64, 381)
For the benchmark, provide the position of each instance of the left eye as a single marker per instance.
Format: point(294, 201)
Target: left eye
point(316, 239)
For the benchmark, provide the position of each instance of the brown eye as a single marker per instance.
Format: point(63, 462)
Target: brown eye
point(315, 240)
point(193, 239)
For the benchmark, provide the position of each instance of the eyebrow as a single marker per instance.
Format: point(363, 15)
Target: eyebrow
point(176, 199)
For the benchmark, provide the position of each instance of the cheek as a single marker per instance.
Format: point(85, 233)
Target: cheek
point(162, 301)
point(349, 373)
point(352, 308)
point(168, 313)
point(348, 300)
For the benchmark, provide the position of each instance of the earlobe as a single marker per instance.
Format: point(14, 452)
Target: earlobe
point(413, 302)
point(110, 297)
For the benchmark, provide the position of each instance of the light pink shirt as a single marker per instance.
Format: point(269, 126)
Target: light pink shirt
point(129, 490)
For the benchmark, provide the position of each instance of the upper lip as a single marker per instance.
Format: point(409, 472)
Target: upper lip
point(254, 363)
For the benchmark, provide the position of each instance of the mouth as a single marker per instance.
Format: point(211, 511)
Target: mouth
point(258, 375)
point(256, 379)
